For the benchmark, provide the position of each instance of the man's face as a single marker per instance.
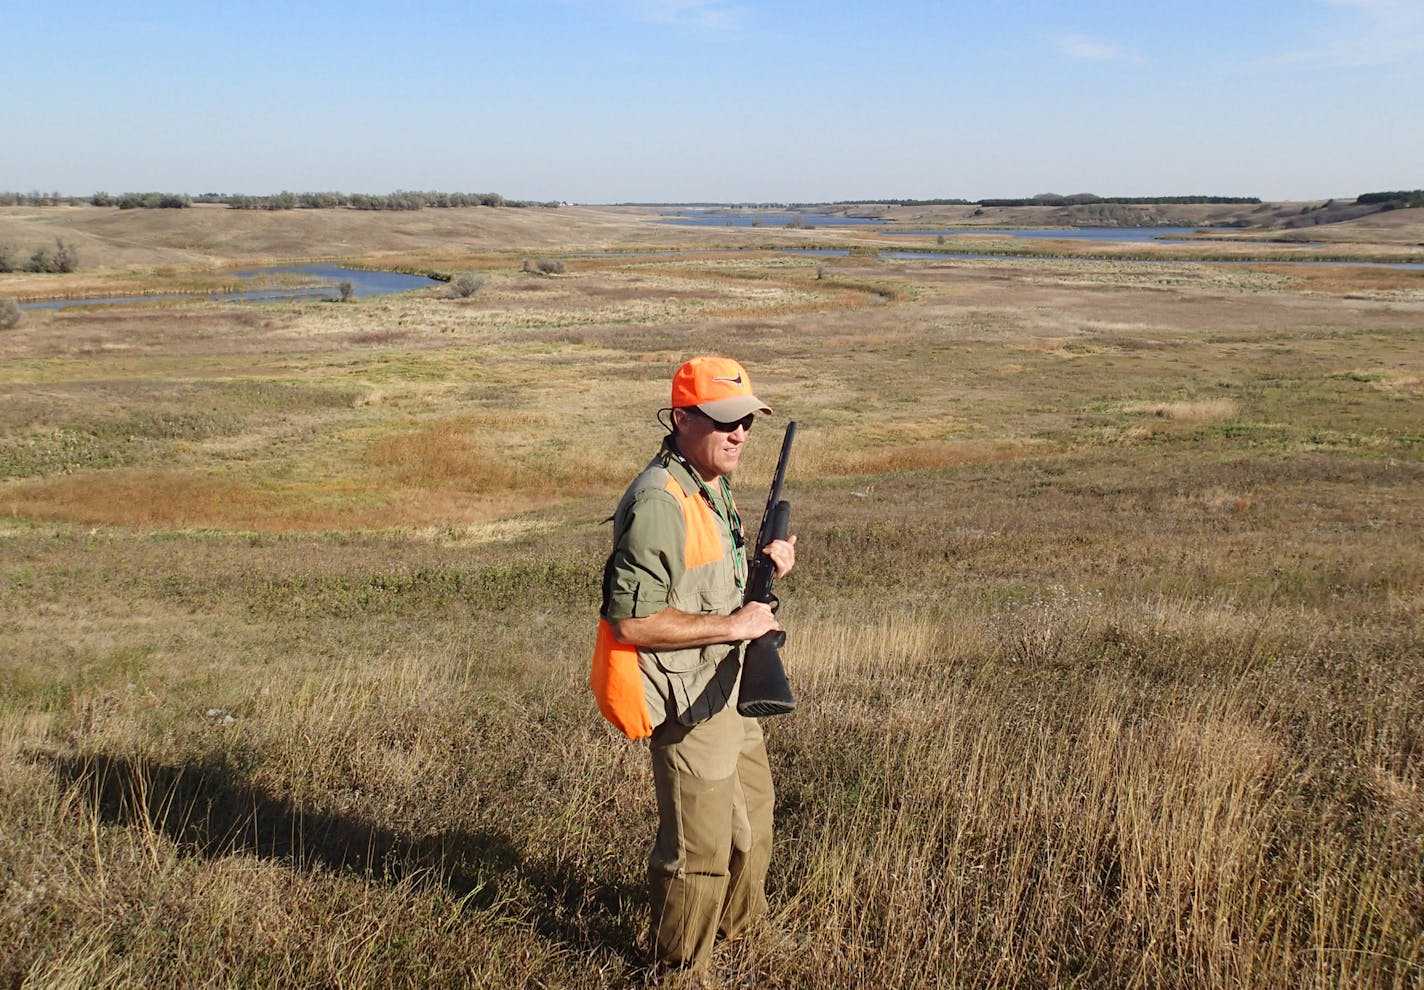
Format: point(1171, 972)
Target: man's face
point(711, 451)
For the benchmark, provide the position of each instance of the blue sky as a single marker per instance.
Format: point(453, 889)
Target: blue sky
point(715, 100)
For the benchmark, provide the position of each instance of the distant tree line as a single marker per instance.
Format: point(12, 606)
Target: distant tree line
point(61, 258)
point(143, 201)
point(39, 199)
point(1397, 200)
point(1087, 199)
point(399, 200)
point(125, 201)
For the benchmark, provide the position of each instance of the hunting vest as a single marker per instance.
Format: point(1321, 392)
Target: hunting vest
point(692, 684)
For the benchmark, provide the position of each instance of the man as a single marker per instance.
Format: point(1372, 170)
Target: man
point(672, 589)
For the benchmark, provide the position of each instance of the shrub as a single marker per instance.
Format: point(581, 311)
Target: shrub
point(466, 284)
point(320, 200)
point(1398, 199)
point(63, 259)
point(66, 258)
point(550, 266)
point(9, 313)
point(7, 257)
point(153, 201)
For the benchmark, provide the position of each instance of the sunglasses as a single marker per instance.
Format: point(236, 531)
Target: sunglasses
point(745, 423)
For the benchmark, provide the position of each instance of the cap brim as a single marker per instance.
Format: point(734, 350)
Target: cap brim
point(727, 410)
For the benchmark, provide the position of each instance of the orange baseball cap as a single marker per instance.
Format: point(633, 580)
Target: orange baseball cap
point(719, 386)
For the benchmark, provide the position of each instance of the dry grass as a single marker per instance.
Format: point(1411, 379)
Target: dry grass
point(296, 605)
point(1191, 410)
point(822, 460)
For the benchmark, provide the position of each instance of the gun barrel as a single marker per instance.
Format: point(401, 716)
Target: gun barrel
point(777, 480)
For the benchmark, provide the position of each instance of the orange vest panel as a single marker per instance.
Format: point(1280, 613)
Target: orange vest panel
point(704, 530)
point(617, 683)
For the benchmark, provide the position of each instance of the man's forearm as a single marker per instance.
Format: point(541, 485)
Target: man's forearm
point(671, 629)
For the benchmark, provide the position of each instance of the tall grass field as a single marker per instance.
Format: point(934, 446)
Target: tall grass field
point(1107, 627)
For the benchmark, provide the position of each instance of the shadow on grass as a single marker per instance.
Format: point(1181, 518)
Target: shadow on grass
point(209, 810)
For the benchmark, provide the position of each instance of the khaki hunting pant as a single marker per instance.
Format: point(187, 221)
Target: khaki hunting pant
point(707, 871)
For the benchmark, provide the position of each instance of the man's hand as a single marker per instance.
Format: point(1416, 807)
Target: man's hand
point(752, 621)
point(783, 555)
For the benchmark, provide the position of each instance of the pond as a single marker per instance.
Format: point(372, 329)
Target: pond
point(1124, 234)
point(764, 218)
point(280, 283)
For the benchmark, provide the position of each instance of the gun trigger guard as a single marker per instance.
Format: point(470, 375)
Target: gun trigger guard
point(775, 604)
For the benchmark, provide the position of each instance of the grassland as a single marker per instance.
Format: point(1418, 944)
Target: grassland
point(1106, 626)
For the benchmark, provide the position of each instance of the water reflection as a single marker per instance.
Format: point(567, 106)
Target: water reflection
point(319, 281)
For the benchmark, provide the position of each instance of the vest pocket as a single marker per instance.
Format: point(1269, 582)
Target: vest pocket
point(682, 661)
point(709, 689)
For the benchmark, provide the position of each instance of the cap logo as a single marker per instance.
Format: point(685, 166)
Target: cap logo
point(734, 381)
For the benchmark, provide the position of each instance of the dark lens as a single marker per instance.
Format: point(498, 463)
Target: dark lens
point(745, 423)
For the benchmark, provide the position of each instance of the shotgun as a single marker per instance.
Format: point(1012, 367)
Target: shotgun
point(764, 689)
